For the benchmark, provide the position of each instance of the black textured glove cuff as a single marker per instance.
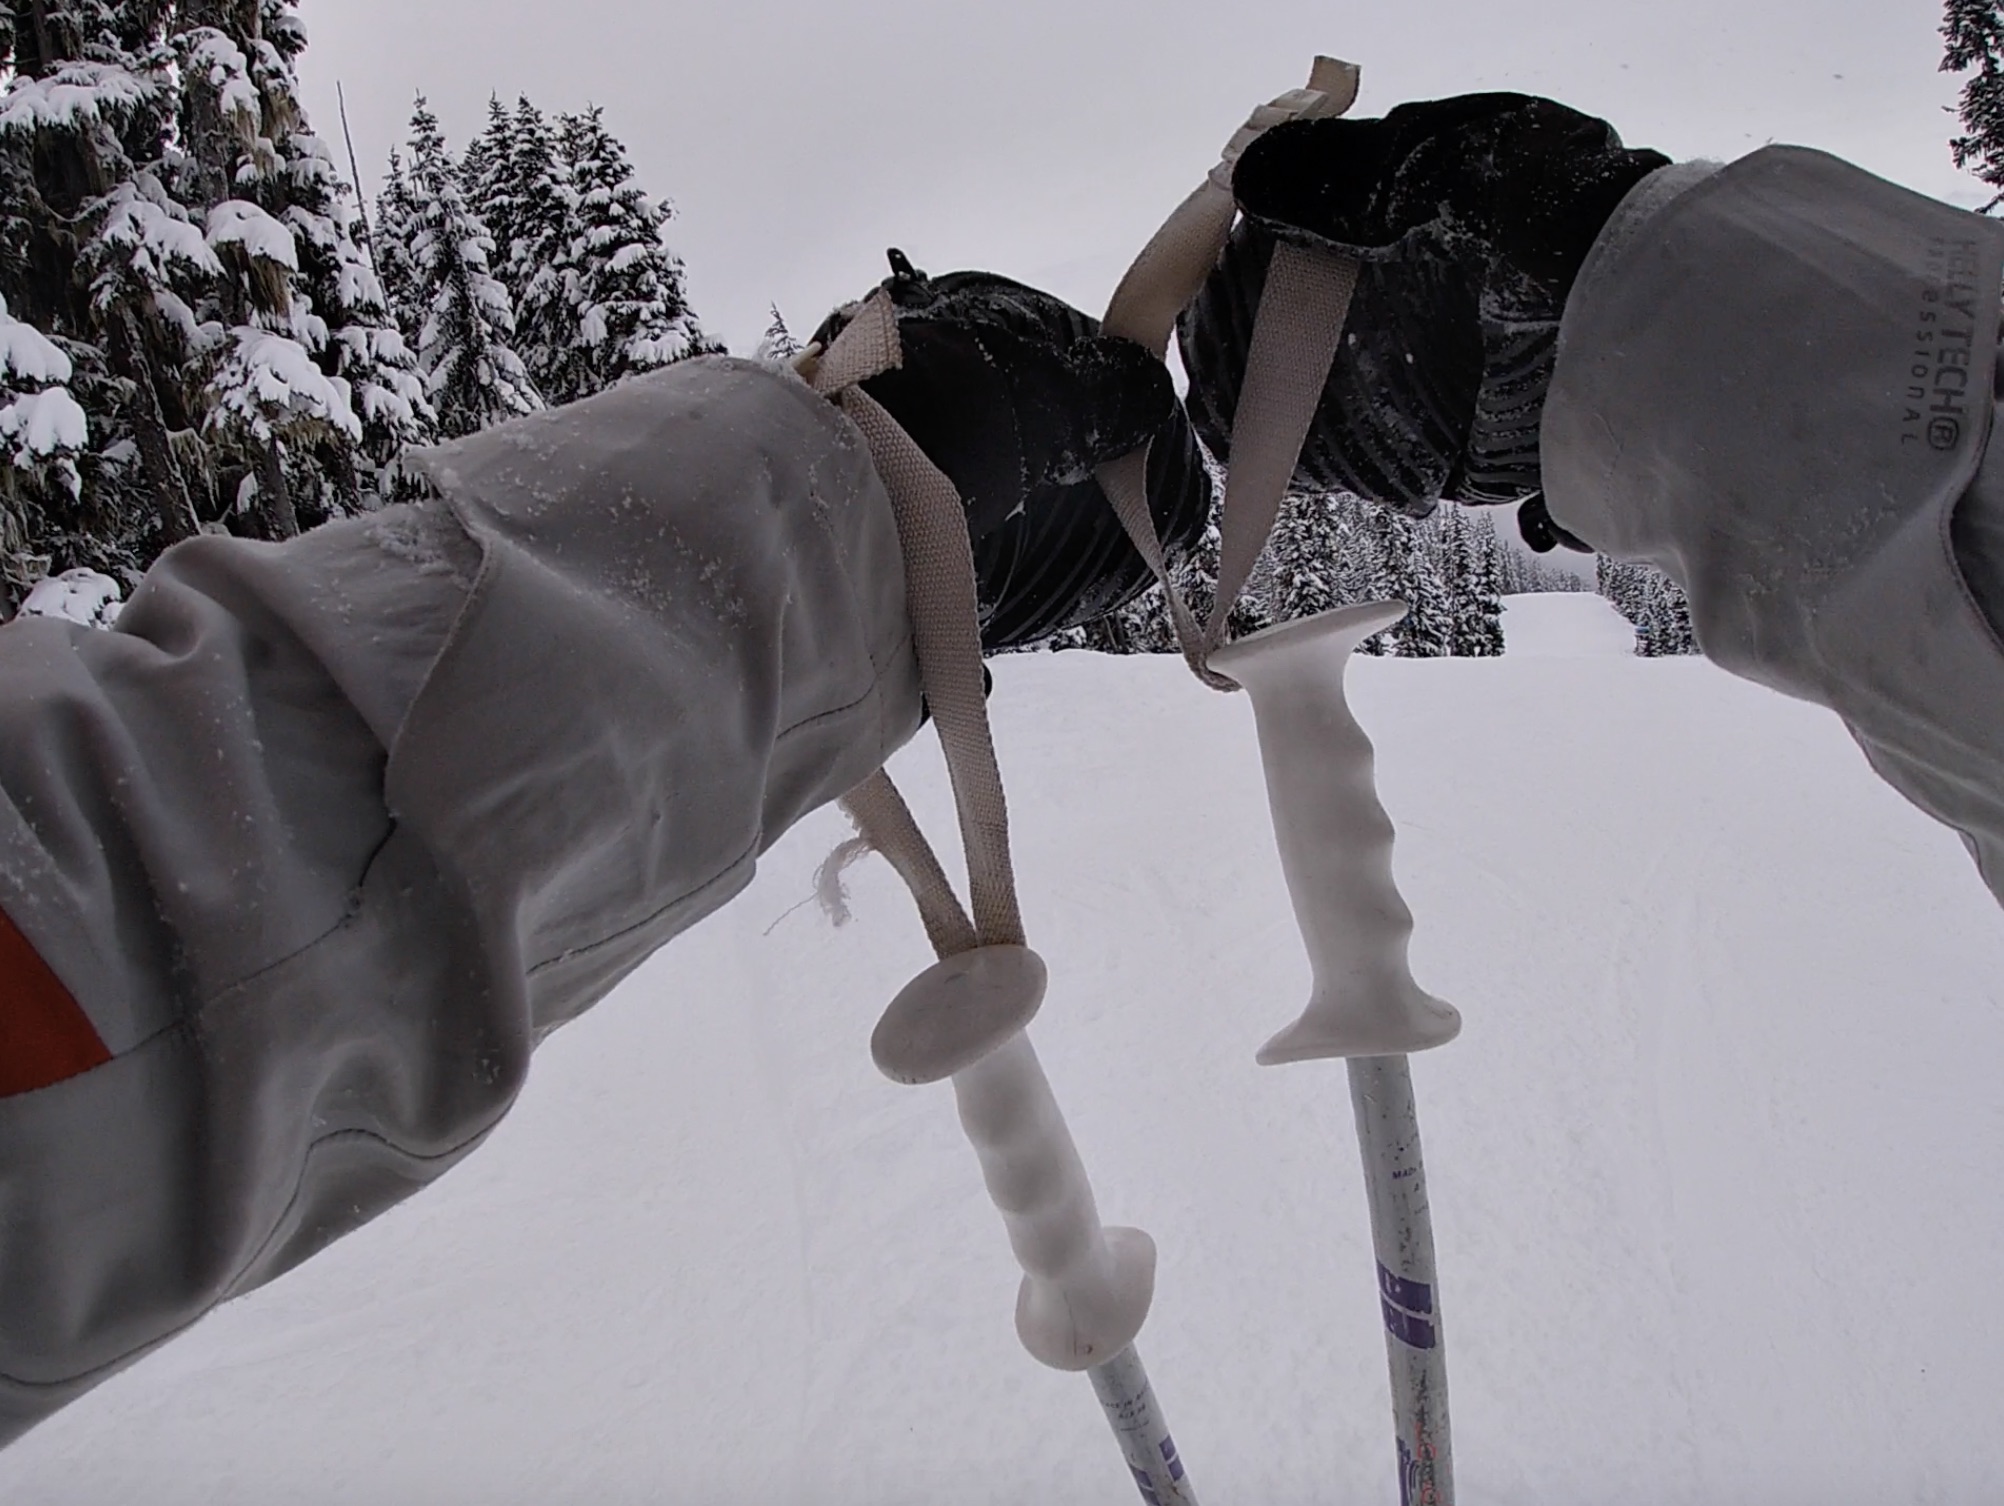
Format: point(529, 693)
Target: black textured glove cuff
point(1471, 218)
point(1019, 399)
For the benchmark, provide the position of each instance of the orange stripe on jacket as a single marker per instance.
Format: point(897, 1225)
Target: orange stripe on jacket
point(44, 1035)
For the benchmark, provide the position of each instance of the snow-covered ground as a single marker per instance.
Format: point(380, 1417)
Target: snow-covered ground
point(1718, 1164)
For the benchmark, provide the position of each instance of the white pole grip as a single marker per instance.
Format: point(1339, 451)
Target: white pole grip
point(1335, 842)
point(1086, 1289)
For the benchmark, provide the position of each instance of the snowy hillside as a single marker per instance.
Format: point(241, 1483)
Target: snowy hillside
point(1718, 1164)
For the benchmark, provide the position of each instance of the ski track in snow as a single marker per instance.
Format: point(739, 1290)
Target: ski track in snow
point(1717, 1167)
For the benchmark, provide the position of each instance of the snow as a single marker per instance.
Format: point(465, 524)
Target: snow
point(1562, 624)
point(84, 597)
point(1715, 1165)
point(214, 56)
point(138, 218)
point(28, 355)
point(237, 222)
point(75, 96)
point(43, 423)
point(270, 381)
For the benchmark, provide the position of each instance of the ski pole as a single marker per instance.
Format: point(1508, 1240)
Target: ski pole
point(1335, 845)
point(1086, 1288)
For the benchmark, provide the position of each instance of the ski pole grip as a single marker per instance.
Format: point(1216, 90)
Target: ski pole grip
point(1086, 1288)
point(1335, 842)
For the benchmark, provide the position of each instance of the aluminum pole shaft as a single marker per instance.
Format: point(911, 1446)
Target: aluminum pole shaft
point(1129, 1402)
point(1381, 1093)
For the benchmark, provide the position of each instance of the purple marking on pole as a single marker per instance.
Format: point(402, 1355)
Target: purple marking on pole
point(1147, 1486)
point(1413, 1296)
point(1169, 1458)
point(1409, 1330)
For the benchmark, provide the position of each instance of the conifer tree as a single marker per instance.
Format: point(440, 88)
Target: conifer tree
point(394, 224)
point(1467, 549)
point(99, 257)
point(472, 373)
point(1405, 571)
point(777, 344)
point(171, 227)
point(540, 227)
point(1324, 554)
point(43, 429)
point(309, 390)
point(1654, 605)
point(355, 338)
point(1665, 628)
point(625, 287)
point(1974, 33)
point(487, 174)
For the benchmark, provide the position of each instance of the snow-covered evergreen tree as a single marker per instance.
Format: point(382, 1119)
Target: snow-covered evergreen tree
point(1405, 570)
point(594, 294)
point(295, 320)
point(1654, 605)
point(1467, 554)
point(1313, 550)
point(172, 227)
point(43, 429)
point(345, 315)
point(538, 229)
point(1665, 628)
point(777, 344)
point(472, 373)
point(625, 287)
point(393, 227)
point(99, 257)
point(487, 174)
point(1974, 33)
point(1520, 572)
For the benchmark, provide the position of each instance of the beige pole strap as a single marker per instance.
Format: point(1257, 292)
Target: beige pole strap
point(941, 598)
point(1294, 341)
point(1295, 337)
point(886, 823)
point(1170, 271)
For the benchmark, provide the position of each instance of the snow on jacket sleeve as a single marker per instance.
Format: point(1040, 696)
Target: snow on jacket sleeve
point(328, 834)
point(1776, 382)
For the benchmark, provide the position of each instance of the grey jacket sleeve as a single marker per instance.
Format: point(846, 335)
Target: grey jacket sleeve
point(1779, 387)
point(328, 834)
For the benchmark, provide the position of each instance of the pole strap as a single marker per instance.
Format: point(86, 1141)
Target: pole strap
point(1295, 336)
point(943, 603)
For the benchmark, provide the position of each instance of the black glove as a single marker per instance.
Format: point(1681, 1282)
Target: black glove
point(1018, 398)
point(1471, 218)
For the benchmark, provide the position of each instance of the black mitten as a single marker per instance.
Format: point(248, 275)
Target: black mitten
point(1018, 398)
point(1470, 218)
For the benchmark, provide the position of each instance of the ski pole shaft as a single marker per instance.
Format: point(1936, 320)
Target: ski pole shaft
point(1131, 1409)
point(1381, 1093)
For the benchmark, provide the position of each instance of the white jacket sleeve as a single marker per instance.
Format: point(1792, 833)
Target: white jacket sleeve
point(1777, 382)
point(326, 835)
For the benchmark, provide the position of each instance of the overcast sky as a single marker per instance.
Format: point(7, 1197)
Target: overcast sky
point(1046, 139)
